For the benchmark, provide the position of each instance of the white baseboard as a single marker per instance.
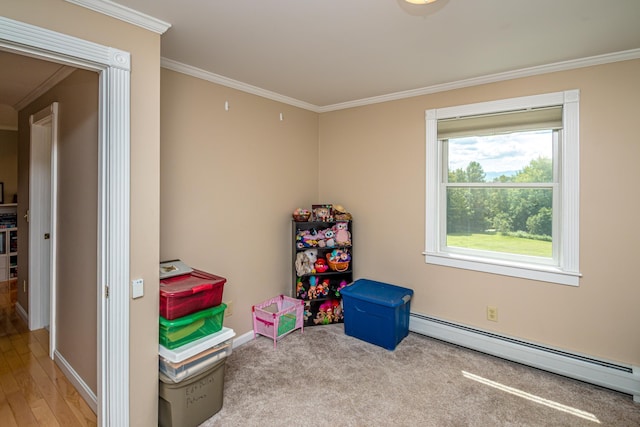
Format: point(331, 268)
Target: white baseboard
point(615, 376)
point(243, 339)
point(22, 313)
point(87, 394)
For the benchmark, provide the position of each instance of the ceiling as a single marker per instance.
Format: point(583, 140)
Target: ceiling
point(326, 53)
point(21, 76)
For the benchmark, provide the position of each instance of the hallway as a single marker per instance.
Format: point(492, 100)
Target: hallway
point(33, 390)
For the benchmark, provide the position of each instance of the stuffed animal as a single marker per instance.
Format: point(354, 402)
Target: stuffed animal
point(343, 236)
point(312, 254)
point(329, 240)
point(321, 265)
point(305, 239)
point(300, 239)
point(302, 264)
point(309, 239)
point(305, 261)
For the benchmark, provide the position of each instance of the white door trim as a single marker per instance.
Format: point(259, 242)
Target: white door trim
point(113, 210)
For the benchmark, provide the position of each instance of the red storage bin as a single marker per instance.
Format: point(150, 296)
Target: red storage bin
point(186, 294)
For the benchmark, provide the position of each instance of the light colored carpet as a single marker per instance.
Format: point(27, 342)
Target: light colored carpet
point(323, 377)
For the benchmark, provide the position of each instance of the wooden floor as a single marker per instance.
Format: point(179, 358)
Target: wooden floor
point(33, 390)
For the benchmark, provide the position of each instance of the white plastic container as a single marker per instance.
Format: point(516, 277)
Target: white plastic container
point(195, 357)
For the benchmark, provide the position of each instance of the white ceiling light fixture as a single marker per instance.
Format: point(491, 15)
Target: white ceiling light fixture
point(420, 1)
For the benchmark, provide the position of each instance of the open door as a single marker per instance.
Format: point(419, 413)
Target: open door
point(41, 217)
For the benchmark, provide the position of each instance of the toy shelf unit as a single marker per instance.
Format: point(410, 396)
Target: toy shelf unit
point(8, 242)
point(277, 317)
point(322, 265)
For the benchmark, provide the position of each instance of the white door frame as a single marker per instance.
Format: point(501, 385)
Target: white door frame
point(43, 198)
point(114, 67)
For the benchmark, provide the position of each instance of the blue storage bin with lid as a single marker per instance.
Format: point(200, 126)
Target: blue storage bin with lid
point(376, 312)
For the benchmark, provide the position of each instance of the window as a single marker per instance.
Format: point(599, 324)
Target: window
point(502, 192)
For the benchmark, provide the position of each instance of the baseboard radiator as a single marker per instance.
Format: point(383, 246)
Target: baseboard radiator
point(622, 378)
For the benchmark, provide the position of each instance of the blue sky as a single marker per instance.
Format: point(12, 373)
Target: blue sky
point(500, 153)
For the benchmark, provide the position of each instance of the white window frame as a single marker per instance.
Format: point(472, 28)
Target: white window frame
point(565, 270)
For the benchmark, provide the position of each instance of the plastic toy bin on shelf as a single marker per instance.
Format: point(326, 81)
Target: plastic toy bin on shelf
point(277, 317)
point(185, 294)
point(376, 312)
point(178, 332)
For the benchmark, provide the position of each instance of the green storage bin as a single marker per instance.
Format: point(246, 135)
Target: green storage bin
point(178, 332)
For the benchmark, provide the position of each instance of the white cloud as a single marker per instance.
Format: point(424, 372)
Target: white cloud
point(500, 153)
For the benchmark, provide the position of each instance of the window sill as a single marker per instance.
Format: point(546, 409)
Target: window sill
point(505, 268)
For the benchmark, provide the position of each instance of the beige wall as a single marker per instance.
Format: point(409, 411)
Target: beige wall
point(144, 47)
point(77, 212)
point(9, 163)
point(230, 180)
point(8, 117)
point(379, 152)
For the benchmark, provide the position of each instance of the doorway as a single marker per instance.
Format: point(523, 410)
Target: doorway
point(113, 67)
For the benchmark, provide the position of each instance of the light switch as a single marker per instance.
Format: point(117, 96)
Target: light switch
point(138, 288)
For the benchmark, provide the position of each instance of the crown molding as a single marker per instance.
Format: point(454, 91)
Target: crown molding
point(124, 13)
point(492, 78)
point(62, 73)
point(476, 81)
point(234, 84)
